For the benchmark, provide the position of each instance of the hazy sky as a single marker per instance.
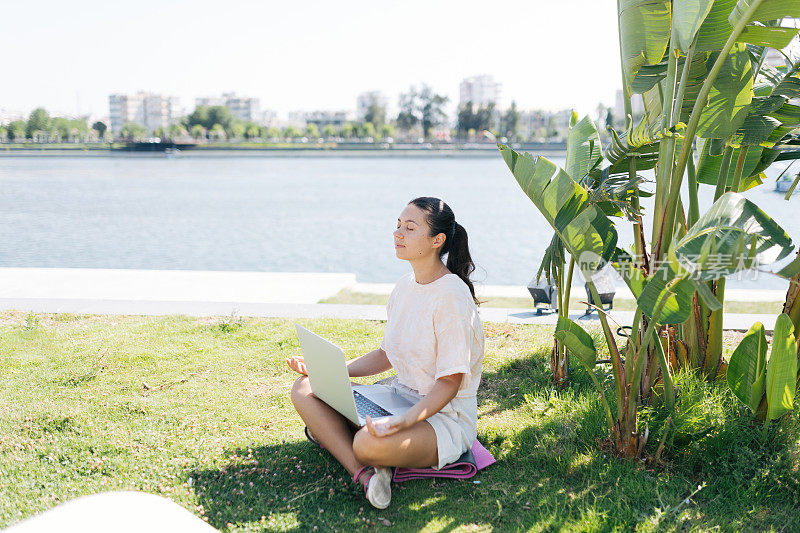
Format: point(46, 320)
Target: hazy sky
point(68, 56)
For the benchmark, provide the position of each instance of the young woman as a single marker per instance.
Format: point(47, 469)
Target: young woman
point(434, 341)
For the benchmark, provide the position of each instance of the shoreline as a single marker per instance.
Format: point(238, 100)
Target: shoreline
point(367, 150)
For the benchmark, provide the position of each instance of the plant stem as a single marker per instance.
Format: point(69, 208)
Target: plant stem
point(676, 112)
point(559, 291)
point(722, 180)
point(603, 399)
point(613, 351)
point(633, 345)
point(714, 348)
point(666, 152)
point(669, 388)
point(694, 204)
point(563, 354)
point(737, 175)
point(633, 396)
point(669, 160)
point(713, 356)
point(568, 286)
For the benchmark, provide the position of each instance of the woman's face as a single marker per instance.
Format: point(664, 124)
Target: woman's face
point(412, 238)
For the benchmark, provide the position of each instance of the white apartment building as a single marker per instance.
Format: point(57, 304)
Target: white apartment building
point(241, 107)
point(269, 118)
point(367, 99)
point(147, 109)
point(480, 90)
point(302, 119)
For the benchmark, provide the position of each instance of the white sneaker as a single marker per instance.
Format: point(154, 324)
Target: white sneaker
point(379, 488)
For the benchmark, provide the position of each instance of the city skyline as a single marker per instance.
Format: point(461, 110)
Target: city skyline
point(315, 56)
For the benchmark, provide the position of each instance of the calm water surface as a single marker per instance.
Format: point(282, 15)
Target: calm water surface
point(302, 214)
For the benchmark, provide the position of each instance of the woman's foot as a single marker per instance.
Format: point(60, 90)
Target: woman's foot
point(377, 482)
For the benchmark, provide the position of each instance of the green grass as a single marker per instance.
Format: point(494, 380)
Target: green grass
point(347, 297)
point(197, 410)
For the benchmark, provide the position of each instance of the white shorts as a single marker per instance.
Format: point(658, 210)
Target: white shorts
point(456, 425)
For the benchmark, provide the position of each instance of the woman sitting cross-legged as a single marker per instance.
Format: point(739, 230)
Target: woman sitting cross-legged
point(434, 341)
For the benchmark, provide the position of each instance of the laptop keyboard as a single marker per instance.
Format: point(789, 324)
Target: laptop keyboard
point(368, 407)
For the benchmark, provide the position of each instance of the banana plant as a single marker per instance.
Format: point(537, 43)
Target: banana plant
point(699, 65)
point(766, 385)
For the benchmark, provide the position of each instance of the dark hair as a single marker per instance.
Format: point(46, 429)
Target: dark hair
point(442, 220)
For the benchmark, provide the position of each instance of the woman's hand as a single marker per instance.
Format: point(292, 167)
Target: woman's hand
point(298, 364)
point(388, 425)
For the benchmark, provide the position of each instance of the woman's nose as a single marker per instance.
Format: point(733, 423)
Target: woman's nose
point(397, 234)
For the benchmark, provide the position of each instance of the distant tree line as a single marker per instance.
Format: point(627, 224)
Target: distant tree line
point(421, 114)
point(41, 127)
point(473, 121)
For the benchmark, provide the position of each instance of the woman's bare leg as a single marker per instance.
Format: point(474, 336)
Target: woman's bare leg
point(331, 429)
point(414, 447)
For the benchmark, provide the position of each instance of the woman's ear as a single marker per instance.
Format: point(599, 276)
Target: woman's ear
point(438, 241)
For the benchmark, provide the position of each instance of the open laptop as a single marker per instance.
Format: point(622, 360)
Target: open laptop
point(330, 382)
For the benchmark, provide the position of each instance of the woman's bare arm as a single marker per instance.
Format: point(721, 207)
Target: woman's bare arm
point(369, 364)
point(444, 390)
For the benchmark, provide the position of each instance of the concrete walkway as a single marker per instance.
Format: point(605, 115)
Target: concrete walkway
point(260, 294)
point(622, 292)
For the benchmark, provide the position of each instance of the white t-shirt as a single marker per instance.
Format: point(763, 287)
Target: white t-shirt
point(434, 330)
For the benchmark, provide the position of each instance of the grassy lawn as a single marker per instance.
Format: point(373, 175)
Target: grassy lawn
point(197, 410)
point(347, 297)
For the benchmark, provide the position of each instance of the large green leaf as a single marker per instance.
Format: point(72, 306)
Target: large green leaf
point(787, 115)
point(677, 299)
point(733, 235)
point(789, 86)
point(768, 10)
point(762, 105)
point(755, 130)
point(769, 118)
point(577, 341)
point(644, 29)
point(747, 368)
point(584, 151)
point(768, 156)
point(708, 166)
point(648, 76)
point(587, 233)
point(730, 95)
point(715, 29)
point(772, 36)
point(687, 17)
point(781, 379)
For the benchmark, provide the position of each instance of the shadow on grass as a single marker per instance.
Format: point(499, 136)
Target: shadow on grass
point(296, 485)
point(551, 474)
point(541, 468)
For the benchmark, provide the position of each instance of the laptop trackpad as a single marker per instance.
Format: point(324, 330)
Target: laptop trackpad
point(385, 397)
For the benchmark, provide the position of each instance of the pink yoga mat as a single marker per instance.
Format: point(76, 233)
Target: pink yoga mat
point(476, 458)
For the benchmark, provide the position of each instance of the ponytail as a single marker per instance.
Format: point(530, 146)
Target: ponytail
point(459, 262)
point(442, 220)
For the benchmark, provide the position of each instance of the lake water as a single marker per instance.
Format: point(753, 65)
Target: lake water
point(299, 214)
